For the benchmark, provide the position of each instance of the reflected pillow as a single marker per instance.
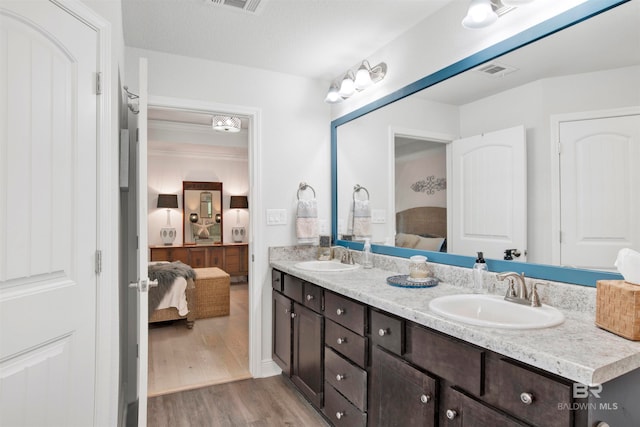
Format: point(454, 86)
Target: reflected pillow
point(406, 240)
point(429, 243)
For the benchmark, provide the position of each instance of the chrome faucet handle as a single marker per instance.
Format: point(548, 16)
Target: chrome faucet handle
point(534, 297)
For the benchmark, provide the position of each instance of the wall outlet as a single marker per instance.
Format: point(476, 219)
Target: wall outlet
point(276, 216)
point(323, 227)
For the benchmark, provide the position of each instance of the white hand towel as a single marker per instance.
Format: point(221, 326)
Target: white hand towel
point(307, 221)
point(359, 222)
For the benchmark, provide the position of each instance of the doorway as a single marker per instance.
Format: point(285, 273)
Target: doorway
point(217, 349)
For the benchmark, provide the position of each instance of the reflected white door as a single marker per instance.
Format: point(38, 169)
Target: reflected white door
point(487, 182)
point(143, 246)
point(48, 217)
point(599, 190)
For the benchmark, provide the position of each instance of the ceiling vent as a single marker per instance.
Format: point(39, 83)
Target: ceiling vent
point(495, 69)
point(249, 6)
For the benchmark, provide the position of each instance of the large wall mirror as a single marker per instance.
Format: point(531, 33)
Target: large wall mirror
point(436, 187)
point(202, 216)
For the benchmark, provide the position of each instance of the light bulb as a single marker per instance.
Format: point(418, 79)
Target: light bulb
point(363, 77)
point(347, 88)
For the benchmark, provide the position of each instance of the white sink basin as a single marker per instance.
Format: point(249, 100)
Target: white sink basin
point(494, 312)
point(324, 266)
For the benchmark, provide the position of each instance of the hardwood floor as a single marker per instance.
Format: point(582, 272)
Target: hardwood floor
point(215, 351)
point(254, 402)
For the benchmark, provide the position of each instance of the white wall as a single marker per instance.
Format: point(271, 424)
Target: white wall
point(293, 143)
point(411, 169)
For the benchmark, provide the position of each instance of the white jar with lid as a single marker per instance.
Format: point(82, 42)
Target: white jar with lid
point(418, 268)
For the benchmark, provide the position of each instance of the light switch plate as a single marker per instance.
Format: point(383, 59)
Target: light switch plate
point(378, 216)
point(276, 216)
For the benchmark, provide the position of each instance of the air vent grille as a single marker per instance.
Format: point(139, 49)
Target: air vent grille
point(249, 6)
point(495, 69)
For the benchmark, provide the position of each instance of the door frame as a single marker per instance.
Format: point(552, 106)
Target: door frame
point(257, 367)
point(425, 135)
point(555, 121)
point(107, 375)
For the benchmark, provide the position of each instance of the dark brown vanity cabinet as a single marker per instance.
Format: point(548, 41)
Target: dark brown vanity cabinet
point(362, 367)
point(298, 332)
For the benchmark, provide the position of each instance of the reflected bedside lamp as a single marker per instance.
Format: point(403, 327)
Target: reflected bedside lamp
point(238, 202)
point(168, 201)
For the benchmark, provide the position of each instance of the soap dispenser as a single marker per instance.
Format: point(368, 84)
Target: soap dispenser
point(367, 256)
point(478, 271)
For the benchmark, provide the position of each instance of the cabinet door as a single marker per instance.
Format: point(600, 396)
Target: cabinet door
point(216, 257)
point(236, 260)
point(401, 395)
point(307, 368)
point(460, 410)
point(282, 309)
point(198, 257)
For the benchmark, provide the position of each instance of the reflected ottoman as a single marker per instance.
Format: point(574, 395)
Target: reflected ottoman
point(212, 292)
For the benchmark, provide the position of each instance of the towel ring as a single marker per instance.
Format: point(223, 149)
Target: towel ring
point(304, 186)
point(357, 188)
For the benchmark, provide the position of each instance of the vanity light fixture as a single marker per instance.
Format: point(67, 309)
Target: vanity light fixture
point(226, 124)
point(482, 13)
point(364, 77)
point(479, 15)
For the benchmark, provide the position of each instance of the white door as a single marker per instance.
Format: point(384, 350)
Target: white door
point(143, 247)
point(48, 216)
point(488, 194)
point(599, 190)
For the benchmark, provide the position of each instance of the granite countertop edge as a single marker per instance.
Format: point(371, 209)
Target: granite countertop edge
point(577, 349)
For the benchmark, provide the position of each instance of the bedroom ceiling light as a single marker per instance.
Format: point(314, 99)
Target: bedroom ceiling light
point(351, 83)
point(226, 124)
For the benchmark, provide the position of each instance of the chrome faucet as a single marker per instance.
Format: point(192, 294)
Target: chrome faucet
point(518, 293)
point(345, 258)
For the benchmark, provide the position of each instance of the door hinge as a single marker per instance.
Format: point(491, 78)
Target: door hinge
point(560, 236)
point(98, 83)
point(98, 261)
point(253, 258)
point(559, 147)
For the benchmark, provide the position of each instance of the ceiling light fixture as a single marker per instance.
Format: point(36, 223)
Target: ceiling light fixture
point(364, 77)
point(515, 3)
point(226, 124)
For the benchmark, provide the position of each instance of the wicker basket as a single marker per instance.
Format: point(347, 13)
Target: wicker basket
point(618, 308)
point(212, 292)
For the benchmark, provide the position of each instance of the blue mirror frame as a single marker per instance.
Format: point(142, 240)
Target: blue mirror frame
point(547, 272)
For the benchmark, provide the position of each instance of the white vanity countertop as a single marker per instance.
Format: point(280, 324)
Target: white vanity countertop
point(577, 349)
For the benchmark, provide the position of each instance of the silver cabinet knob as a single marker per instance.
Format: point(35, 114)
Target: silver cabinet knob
point(340, 377)
point(339, 415)
point(310, 297)
point(601, 424)
point(286, 310)
point(451, 414)
point(526, 398)
point(293, 315)
point(340, 311)
point(341, 340)
point(425, 398)
point(382, 332)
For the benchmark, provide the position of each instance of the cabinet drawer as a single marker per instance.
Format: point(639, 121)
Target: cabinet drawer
point(340, 411)
point(312, 296)
point(345, 342)
point(348, 379)
point(460, 363)
point(387, 332)
point(276, 280)
point(459, 410)
point(346, 312)
point(292, 287)
point(198, 257)
point(509, 385)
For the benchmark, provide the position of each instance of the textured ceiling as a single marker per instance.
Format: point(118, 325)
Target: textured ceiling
point(310, 38)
